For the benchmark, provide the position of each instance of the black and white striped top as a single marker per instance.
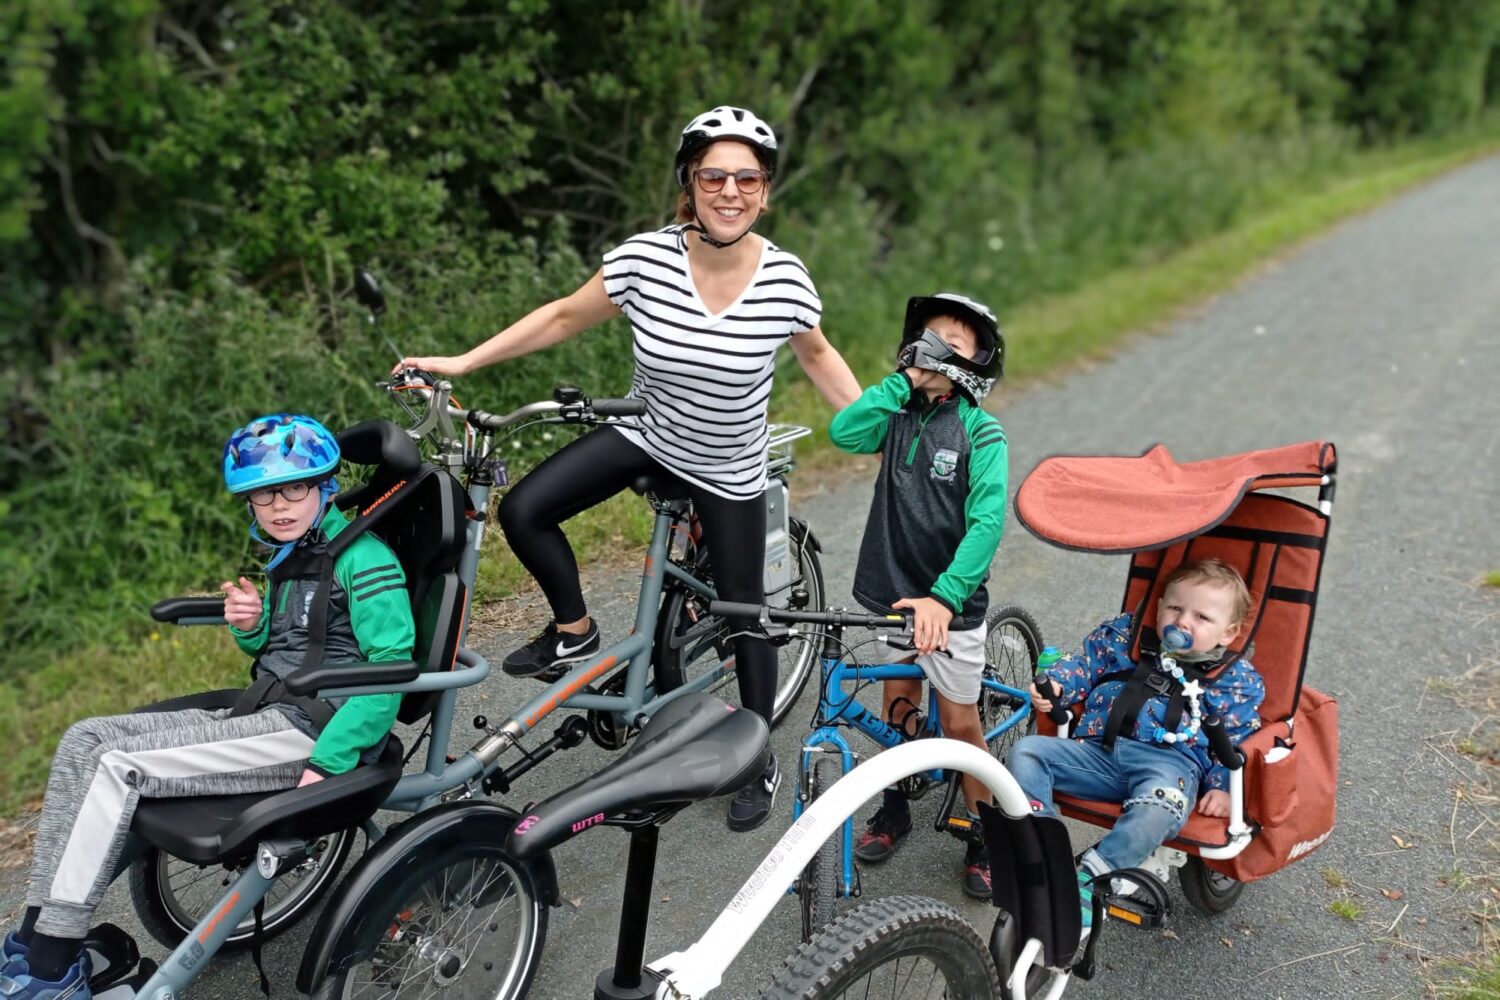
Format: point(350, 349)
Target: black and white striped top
point(705, 377)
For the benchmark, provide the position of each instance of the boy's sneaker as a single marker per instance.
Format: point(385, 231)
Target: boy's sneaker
point(549, 648)
point(12, 951)
point(977, 872)
point(20, 985)
point(752, 804)
point(878, 841)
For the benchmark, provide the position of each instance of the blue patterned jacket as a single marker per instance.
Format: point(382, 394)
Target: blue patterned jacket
point(1235, 697)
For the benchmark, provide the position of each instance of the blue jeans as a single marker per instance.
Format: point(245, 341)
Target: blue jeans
point(1158, 787)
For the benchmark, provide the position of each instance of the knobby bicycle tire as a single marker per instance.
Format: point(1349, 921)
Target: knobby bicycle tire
point(885, 945)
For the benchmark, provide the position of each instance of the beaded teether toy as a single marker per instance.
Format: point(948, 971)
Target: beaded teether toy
point(1175, 639)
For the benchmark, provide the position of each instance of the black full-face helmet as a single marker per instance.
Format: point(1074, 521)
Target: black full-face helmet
point(924, 349)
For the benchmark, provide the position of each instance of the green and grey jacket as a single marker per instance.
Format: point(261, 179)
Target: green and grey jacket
point(939, 506)
point(369, 619)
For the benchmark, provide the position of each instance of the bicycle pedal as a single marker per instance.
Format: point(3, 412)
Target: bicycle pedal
point(963, 828)
point(1142, 900)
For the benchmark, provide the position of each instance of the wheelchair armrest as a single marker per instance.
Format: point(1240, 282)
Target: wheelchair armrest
point(189, 610)
point(309, 681)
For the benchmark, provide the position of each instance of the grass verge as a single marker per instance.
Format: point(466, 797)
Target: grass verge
point(1042, 337)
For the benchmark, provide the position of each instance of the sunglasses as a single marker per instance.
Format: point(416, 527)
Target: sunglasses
point(291, 492)
point(711, 179)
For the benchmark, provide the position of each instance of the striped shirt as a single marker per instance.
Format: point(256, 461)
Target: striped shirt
point(706, 377)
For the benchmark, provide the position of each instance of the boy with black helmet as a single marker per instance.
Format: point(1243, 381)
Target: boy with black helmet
point(934, 525)
point(282, 466)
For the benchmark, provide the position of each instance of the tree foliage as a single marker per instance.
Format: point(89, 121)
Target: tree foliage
point(186, 188)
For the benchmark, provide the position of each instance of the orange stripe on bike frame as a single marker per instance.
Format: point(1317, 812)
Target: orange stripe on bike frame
point(551, 704)
point(223, 910)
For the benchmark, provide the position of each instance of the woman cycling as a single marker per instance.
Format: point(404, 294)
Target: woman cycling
point(709, 304)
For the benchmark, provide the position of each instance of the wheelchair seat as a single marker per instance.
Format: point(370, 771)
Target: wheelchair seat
point(695, 748)
point(220, 828)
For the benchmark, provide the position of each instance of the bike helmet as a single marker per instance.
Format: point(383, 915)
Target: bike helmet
point(725, 122)
point(921, 348)
point(279, 448)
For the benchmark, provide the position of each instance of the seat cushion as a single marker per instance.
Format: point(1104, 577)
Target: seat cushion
point(222, 828)
point(1199, 832)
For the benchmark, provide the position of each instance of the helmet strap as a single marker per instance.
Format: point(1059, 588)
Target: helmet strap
point(327, 490)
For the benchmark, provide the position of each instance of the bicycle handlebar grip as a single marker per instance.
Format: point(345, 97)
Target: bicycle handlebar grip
point(734, 609)
point(484, 420)
point(1218, 740)
point(1059, 715)
point(619, 407)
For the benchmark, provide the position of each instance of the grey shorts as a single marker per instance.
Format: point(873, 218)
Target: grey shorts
point(956, 676)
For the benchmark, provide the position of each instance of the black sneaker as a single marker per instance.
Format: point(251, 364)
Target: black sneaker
point(549, 648)
point(878, 841)
point(977, 872)
point(752, 804)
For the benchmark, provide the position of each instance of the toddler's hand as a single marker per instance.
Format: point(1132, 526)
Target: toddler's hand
point(930, 620)
point(1041, 704)
point(1215, 802)
point(241, 604)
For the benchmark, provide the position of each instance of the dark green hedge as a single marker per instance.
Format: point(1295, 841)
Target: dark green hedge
point(185, 189)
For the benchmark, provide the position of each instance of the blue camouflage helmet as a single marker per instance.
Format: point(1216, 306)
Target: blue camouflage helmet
point(279, 448)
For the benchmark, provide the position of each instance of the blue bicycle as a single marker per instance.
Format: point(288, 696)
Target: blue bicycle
point(1012, 645)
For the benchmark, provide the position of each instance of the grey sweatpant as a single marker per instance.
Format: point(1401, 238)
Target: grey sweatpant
point(103, 766)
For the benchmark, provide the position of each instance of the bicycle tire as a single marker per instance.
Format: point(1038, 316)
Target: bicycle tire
point(1012, 646)
point(1209, 891)
point(818, 888)
point(417, 946)
point(687, 637)
point(161, 890)
point(897, 932)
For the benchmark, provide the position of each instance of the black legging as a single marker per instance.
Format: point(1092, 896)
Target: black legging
point(595, 468)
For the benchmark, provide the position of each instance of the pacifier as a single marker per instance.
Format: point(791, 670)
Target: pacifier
point(1176, 639)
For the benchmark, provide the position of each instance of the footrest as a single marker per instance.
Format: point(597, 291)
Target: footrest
point(112, 954)
point(1134, 896)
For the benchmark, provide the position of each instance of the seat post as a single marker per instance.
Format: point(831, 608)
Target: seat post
point(623, 982)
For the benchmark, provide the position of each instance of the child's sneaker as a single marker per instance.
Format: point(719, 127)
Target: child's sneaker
point(977, 872)
point(12, 951)
point(878, 840)
point(1086, 901)
point(19, 985)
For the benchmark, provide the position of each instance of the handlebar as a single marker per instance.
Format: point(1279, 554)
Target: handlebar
point(1059, 715)
point(569, 406)
point(830, 619)
point(1218, 741)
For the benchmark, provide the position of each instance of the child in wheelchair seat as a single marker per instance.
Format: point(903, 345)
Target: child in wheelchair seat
point(318, 610)
point(1139, 740)
point(934, 526)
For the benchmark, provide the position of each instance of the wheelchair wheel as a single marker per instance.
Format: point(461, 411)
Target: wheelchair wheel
point(469, 918)
point(1208, 891)
point(690, 642)
point(906, 946)
point(818, 888)
point(1011, 649)
point(171, 895)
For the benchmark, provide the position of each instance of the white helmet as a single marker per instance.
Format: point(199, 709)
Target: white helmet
point(725, 122)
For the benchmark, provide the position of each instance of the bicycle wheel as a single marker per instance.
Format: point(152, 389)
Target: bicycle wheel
point(690, 642)
point(818, 888)
point(171, 895)
point(900, 947)
point(469, 920)
point(1208, 891)
point(1011, 649)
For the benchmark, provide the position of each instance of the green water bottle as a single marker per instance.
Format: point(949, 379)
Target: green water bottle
point(1048, 687)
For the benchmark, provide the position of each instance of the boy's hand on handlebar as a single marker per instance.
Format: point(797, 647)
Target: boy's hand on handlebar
point(1038, 702)
point(930, 618)
point(1215, 802)
point(241, 604)
point(457, 365)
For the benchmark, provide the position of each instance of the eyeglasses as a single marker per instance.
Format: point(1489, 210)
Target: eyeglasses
point(291, 492)
point(711, 179)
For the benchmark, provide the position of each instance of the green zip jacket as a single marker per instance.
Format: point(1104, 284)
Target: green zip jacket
point(369, 619)
point(939, 506)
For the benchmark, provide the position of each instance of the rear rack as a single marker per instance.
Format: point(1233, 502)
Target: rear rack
point(779, 447)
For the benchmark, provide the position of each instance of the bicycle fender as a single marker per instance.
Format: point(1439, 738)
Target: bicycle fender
point(812, 539)
point(381, 869)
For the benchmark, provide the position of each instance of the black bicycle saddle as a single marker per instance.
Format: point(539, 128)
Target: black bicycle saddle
point(695, 748)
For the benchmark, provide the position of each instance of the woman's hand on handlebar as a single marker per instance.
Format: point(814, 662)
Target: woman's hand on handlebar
point(456, 365)
point(930, 618)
